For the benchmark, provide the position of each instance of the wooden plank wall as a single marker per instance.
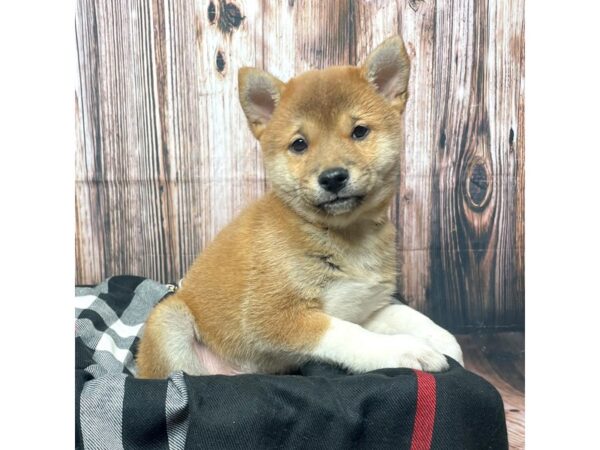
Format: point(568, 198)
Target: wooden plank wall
point(164, 158)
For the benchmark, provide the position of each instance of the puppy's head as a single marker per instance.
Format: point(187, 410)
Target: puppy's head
point(332, 138)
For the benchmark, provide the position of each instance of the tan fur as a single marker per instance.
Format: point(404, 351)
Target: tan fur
point(263, 294)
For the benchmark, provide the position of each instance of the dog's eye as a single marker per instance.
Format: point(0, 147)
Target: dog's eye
point(298, 146)
point(359, 132)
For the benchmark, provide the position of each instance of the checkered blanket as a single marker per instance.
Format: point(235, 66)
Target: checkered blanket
point(320, 407)
point(113, 409)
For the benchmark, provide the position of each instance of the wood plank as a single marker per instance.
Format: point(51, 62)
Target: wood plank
point(89, 238)
point(118, 159)
point(473, 279)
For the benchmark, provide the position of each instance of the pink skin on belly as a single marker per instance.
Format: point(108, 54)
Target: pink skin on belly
point(212, 363)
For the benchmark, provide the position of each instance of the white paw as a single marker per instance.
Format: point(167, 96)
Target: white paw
point(403, 320)
point(447, 344)
point(404, 351)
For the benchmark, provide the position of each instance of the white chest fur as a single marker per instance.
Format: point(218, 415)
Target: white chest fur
point(355, 300)
point(365, 281)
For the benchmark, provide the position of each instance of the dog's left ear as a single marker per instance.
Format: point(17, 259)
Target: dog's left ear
point(388, 69)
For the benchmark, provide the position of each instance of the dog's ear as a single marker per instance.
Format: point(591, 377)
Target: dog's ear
point(388, 68)
point(259, 95)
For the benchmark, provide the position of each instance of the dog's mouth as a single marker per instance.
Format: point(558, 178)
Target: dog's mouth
point(341, 204)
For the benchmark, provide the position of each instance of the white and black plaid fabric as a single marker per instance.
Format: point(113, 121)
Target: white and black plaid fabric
point(109, 318)
point(115, 410)
point(320, 407)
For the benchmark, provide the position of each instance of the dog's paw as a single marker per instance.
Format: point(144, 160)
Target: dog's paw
point(422, 356)
point(446, 343)
point(404, 351)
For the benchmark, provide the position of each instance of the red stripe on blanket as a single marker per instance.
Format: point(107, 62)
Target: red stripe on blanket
point(425, 415)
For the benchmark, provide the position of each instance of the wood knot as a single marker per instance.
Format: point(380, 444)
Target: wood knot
point(442, 142)
point(230, 17)
point(414, 4)
point(212, 13)
point(478, 185)
point(220, 61)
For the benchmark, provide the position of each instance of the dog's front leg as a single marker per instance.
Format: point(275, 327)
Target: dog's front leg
point(327, 338)
point(402, 319)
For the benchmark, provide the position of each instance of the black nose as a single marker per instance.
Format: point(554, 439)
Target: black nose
point(333, 180)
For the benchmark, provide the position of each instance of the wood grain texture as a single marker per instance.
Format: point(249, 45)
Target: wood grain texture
point(500, 359)
point(164, 158)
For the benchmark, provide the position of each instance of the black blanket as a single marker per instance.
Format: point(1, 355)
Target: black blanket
point(320, 407)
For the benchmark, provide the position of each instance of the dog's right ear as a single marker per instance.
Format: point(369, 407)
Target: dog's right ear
point(259, 95)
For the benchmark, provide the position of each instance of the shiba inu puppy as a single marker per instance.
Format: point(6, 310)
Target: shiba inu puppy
point(308, 271)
